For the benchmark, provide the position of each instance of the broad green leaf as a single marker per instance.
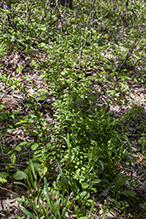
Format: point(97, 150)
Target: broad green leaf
point(42, 170)
point(96, 181)
point(94, 189)
point(2, 180)
point(34, 146)
point(4, 175)
point(19, 175)
point(85, 185)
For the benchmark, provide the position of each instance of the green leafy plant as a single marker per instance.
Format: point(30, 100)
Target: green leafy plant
point(142, 141)
point(3, 48)
point(85, 61)
point(42, 203)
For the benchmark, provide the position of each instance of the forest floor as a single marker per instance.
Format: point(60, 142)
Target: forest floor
point(13, 99)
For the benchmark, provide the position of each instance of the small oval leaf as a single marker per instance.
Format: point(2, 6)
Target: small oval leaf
point(19, 175)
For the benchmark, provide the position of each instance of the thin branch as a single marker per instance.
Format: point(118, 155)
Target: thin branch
point(9, 191)
point(128, 56)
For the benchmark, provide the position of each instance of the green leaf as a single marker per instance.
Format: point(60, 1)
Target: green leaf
point(20, 183)
point(22, 199)
point(94, 190)
point(4, 175)
point(42, 170)
point(2, 180)
point(96, 181)
point(19, 175)
point(22, 121)
point(112, 92)
point(108, 118)
point(102, 112)
point(32, 216)
point(17, 148)
point(46, 193)
point(52, 217)
point(19, 68)
point(56, 207)
point(83, 194)
point(105, 211)
point(43, 97)
point(32, 205)
point(34, 146)
point(83, 217)
point(129, 193)
point(85, 185)
point(13, 159)
point(32, 177)
point(63, 212)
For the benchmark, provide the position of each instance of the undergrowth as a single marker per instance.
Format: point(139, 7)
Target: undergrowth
point(88, 59)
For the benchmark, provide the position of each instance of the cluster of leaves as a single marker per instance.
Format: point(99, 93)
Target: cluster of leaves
point(85, 152)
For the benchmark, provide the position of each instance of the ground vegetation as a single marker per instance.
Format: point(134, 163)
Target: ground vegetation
point(73, 109)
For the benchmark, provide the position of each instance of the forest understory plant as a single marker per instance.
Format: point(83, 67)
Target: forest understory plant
point(62, 140)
